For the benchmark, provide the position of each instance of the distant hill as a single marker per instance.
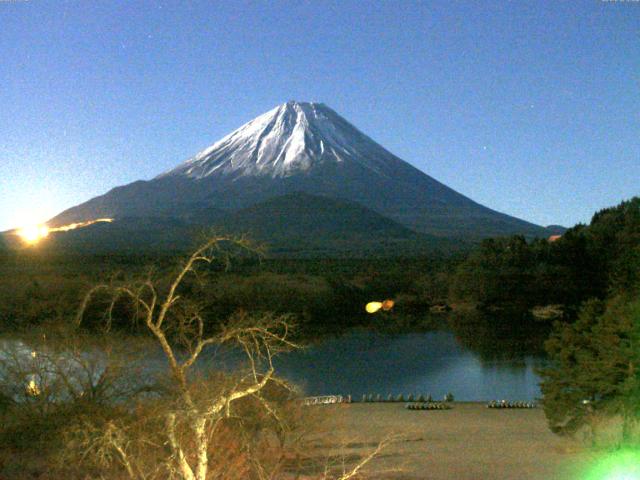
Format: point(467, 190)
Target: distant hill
point(299, 223)
point(129, 235)
point(294, 225)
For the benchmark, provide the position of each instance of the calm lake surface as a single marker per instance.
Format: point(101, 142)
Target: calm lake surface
point(413, 363)
point(366, 362)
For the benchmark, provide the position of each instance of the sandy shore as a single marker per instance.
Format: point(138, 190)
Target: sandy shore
point(469, 441)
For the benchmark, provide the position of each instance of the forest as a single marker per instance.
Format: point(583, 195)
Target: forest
point(510, 275)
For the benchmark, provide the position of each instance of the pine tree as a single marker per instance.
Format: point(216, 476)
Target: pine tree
point(595, 367)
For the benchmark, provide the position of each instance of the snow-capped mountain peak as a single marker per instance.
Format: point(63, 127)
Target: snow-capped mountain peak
point(289, 139)
point(299, 148)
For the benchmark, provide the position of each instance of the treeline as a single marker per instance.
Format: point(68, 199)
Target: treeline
point(36, 288)
point(324, 295)
point(503, 274)
point(588, 261)
point(593, 378)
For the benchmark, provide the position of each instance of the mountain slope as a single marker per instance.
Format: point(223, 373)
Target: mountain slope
point(128, 235)
point(293, 225)
point(303, 147)
point(301, 223)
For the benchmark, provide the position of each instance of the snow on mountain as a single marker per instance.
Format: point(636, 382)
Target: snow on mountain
point(290, 139)
point(301, 147)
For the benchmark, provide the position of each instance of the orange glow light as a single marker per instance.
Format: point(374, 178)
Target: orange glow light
point(34, 233)
point(373, 307)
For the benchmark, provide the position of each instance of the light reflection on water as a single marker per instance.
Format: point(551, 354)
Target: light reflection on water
point(414, 363)
point(365, 362)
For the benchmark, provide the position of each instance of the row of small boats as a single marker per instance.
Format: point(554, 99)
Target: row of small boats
point(506, 404)
point(428, 406)
point(370, 398)
point(447, 406)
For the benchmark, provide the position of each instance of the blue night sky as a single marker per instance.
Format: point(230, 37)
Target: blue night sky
point(530, 108)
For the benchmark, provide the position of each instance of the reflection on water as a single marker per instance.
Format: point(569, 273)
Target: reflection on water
point(472, 364)
point(414, 363)
point(508, 336)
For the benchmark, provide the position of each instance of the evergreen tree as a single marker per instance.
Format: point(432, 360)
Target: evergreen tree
point(595, 366)
point(587, 261)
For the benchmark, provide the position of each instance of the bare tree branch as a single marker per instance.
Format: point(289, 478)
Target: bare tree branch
point(170, 317)
point(373, 454)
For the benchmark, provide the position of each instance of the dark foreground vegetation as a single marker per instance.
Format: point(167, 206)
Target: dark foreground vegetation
point(84, 401)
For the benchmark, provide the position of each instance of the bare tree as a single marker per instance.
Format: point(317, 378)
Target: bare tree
point(196, 409)
point(41, 373)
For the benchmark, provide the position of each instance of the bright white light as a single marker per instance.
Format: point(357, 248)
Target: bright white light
point(33, 233)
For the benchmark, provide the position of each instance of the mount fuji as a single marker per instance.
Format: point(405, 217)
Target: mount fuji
point(300, 148)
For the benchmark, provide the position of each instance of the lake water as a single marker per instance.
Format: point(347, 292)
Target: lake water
point(413, 363)
point(366, 362)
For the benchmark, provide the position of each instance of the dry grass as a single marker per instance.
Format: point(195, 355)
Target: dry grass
point(467, 442)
